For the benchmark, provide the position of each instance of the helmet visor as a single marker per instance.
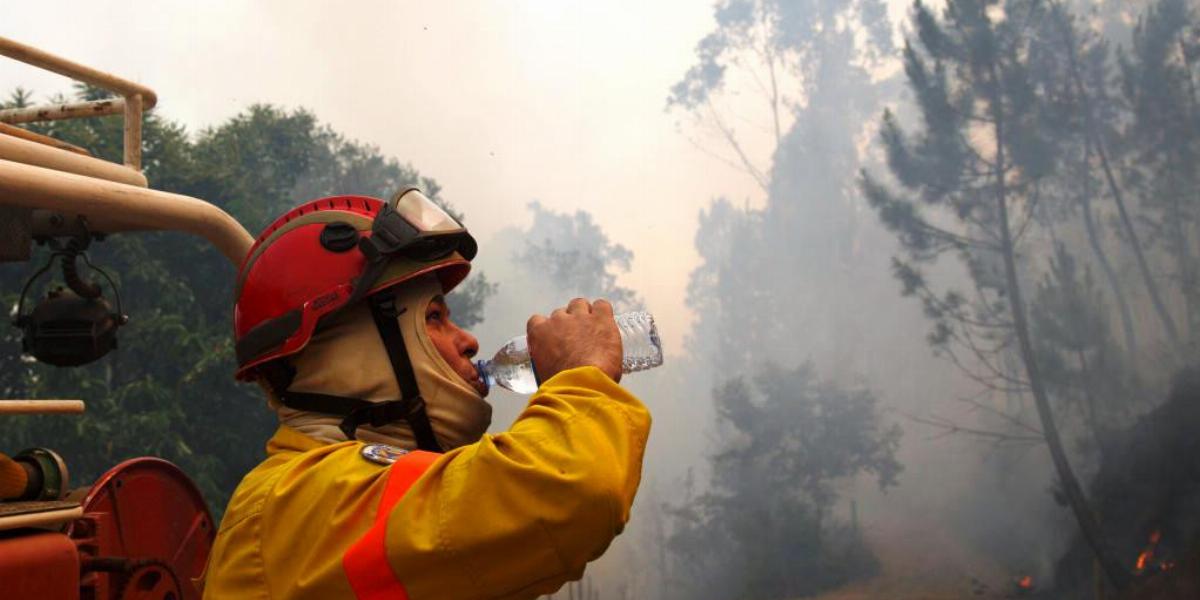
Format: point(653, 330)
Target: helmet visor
point(423, 214)
point(422, 230)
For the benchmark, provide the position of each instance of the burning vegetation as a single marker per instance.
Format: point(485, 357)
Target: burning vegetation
point(1146, 561)
point(1025, 584)
point(1146, 492)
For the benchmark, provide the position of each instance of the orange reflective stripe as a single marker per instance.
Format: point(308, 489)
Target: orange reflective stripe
point(365, 562)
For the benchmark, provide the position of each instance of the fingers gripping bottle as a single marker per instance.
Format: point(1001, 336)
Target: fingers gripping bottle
point(512, 369)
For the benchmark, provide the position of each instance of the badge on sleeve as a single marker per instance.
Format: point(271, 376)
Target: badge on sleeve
point(382, 454)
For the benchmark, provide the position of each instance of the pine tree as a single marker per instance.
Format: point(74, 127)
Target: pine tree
point(765, 529)
point(1093, 118)
point(1158, 80)
point(969, 187)
point(1075, 348)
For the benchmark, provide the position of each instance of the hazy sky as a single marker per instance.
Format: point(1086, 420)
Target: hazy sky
point(502, 102)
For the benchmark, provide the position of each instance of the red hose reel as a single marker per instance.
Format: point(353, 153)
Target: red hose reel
point(145, 534)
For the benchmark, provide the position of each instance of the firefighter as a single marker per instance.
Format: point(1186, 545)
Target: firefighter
point(381, 481)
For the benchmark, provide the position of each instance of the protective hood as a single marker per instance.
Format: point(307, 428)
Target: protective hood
point(347, 358)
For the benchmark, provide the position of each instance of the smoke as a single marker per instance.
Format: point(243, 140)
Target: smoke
point(735, 217)
point(805, 277)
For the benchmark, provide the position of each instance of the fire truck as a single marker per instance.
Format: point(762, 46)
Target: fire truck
point(141, 530)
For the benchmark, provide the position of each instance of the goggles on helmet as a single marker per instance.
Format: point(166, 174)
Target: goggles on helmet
point(413, 226)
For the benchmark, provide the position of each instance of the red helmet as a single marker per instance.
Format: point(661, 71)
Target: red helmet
point(330, 253)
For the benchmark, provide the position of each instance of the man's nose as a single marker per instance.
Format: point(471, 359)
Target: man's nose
point(468, 346)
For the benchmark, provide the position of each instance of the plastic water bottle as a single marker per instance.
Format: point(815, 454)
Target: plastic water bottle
point(512, 369)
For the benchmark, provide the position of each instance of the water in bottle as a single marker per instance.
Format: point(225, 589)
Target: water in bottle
point(512, 369)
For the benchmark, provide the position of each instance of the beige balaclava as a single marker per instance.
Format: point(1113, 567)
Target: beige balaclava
point(347, 358)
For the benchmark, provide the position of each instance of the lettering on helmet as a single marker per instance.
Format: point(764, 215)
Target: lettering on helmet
point(324, 300)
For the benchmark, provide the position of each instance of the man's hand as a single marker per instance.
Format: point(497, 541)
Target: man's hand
point(582, 334)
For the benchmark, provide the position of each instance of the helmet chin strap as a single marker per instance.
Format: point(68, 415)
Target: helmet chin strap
point(383, 311)
point(356, 411)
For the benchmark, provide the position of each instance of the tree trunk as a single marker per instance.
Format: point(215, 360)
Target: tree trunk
point(1089, 396)
point(1183, 255)
point(1143, 268)
point(1191, 281)
point(1094, 141)
point(1088, 524)
point(1110, 274)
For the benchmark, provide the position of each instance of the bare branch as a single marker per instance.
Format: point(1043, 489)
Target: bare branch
point(927, 294)
point(949, 427)
point(988, 381)
point(747, 164)
point(730, 163)
point(981, 355)
point(976, 404)
point(1030, 209)
point(954, 238)
point(769, 54)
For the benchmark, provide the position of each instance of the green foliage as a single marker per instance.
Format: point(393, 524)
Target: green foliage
point(775, 30)
point(777, 285)
point(1016, 136)
point(1019, 107)
point(19, 98)
point(764, 529)
point(1036, 187)
point(1081, 362)
point(729, 292)
point(983, 148)
point(575, 256)
point(169, 390)
point(771, 279)
point(252, 163)
point(1158, 81)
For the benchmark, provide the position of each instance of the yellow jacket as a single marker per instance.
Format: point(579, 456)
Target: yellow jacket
point(513, 515)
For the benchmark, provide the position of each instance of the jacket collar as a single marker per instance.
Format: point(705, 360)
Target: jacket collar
point(287, 439)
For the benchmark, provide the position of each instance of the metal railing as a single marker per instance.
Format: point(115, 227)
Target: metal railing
point(44, 174)
point(135, 97)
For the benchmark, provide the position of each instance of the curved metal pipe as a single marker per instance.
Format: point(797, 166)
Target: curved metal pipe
point(112, 207)
point(39, 58)
point(33, 153)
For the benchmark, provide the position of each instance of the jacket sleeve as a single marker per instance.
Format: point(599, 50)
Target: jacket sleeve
point(516, 515)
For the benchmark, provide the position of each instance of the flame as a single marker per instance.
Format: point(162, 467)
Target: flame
point(1025, 583)
point(1144, 559)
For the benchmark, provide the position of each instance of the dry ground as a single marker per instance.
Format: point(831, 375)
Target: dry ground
point(923, 562)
